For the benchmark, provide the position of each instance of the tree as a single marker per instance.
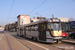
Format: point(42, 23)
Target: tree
point(71, 19)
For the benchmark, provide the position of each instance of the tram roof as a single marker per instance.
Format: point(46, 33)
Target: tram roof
point(37, 22)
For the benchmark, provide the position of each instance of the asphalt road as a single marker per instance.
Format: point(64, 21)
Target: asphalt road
point(10, 41)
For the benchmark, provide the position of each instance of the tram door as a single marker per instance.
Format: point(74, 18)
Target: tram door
point(24, 31)
point(21, 31)
point(42, 31)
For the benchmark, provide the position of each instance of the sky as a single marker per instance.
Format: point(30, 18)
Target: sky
point(10, 9)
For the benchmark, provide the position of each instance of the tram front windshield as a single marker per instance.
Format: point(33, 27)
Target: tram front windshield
point(54, 26)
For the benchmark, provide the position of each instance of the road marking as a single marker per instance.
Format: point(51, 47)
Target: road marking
point(20, 43)
point(23, 45)
point(34, 44)
point(1, 36)
point(38, 45)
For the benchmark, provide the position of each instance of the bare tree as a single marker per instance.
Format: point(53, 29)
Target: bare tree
point(71, 19)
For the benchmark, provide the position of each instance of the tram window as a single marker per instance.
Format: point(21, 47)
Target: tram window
point(32, 28)
point(43, 26)
point(48, 27)
point(36, 27)
point(27, 28)
point(17, 29)
point(39, 27)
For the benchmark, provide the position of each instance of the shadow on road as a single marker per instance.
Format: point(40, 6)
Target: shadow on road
point(25, 38)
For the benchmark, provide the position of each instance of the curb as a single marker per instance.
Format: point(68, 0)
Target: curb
point(68, 42)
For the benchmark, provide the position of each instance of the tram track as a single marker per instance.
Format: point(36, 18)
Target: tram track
point(21, 43)
point(38, 42)
point(13, 44)
point(8, 42)
point(62, 46)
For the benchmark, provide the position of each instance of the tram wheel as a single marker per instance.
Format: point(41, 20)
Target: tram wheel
point(59, 42)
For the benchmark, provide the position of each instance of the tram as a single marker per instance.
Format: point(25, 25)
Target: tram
point(46, 30)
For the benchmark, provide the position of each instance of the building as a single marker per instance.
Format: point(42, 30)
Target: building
point(41, 18)
point(2, 28)
point(36, 19)
point(23, 19)
point(63, 19)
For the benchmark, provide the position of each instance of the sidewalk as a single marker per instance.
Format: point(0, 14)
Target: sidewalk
point(71, 41)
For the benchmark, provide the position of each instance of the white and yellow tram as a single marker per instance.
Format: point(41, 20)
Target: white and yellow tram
point(46, 30)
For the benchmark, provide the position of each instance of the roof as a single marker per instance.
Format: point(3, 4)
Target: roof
point(38, 22)
point(22, 15)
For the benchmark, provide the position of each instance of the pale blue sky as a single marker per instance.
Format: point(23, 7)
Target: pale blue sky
point(60, 8)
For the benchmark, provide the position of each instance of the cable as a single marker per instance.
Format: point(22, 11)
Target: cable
point(10, 11)
point(37, 6)
point(54, 7)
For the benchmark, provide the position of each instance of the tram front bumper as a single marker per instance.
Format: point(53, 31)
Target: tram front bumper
point(57, 39)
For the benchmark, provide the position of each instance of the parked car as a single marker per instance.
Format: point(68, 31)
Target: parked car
point(72, 35)
point(64, 34)
point(2, 31)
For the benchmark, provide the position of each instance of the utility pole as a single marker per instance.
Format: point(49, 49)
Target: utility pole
point(52, 16)
point(39, 15)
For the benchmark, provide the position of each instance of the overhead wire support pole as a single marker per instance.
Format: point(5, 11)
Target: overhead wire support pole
point(10, 11)
point(37, 6)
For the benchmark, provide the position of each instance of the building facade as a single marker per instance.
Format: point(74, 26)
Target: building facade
point(63, 19)
point(34, 19)
point(1, 28)
point(23, 19)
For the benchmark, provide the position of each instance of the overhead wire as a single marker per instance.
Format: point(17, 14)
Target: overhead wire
point(10, 10)
point(55, 7)
point(37, 6)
